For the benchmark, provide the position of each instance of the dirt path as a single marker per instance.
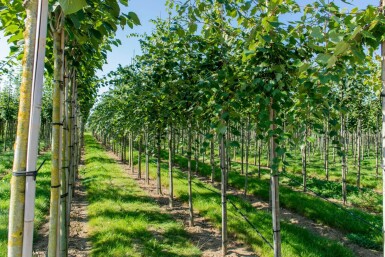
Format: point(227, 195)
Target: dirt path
point(293, 218)
point(204, 235)
point(79, 245)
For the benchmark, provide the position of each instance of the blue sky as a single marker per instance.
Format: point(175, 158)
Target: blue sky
point(147, 10)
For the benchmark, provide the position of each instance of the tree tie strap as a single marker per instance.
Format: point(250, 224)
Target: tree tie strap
point(57, 124)
point(28, 173)
point(275, 231)
point(25, 174)
point(57, 186)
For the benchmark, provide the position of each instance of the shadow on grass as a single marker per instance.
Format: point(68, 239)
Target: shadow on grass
point(124, 221)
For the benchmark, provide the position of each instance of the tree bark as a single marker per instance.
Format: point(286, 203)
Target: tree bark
point(170, 164)
point(56, 139)
point(16, 211)
point(274, 178)
point(158, 174)
point(189, 153)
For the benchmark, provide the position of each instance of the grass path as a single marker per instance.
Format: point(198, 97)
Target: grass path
point(123, 220)
point(296, 241)
point(311, 207)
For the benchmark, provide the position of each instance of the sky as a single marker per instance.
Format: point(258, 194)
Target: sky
point(147, 10)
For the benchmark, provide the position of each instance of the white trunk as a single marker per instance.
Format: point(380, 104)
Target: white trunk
point(34, 128)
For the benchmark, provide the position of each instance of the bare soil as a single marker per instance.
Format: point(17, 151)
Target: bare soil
point(78, 245)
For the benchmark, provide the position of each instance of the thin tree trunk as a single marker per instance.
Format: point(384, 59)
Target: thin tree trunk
point(259, 158)
point(170, 155)
point(158, 174)
point(242, 148)
point(359, 153)
point(326, 147)
point(377, 145)
point(189, 153)
point(64, 173)
point(147, 160)
point(223, 193)
point(56, 141)
point(274, 178)
point(304, 155)
point(132, 152)
point(212, 161)
point(343, 161)
point(247, 153)
point(140, 157)
point(383, 126)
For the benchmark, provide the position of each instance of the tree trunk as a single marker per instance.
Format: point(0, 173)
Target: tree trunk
point(132, 152)
point(64, 173)
point(34, 127)
point(56, 140)
point(274, 178)
point(189, 153)
point(304, 155)
point(140, 157)
point(212, 161)
point(247, 153)
point(326, 149)
point(359, 153)
point(376, 134)
point(158, 173)
point(170, 155)
point(343, 161)
point(16, 211)
point(242, 149)
point(147, 160)
point(223, 192)
point(383, 126)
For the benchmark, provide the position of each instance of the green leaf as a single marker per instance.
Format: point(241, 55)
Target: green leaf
point(332, 60)
point(317, 33)
point(134, 18)
point(304, 67)
point(323, 58)
point(221, 129)
point(124, 2)
point(341, 48)
point(72, 6)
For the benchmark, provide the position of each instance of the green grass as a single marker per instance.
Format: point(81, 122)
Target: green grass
point(296, 241)
point(365, 199)
point(310, 206)
point(123, 220)
point(42, 197)
point(6, 160)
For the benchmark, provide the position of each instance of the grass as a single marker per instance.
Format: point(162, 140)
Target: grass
point(123, 220)
point(311, 207)
point(42, 196)
point(6, 159)
point(296, 241)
